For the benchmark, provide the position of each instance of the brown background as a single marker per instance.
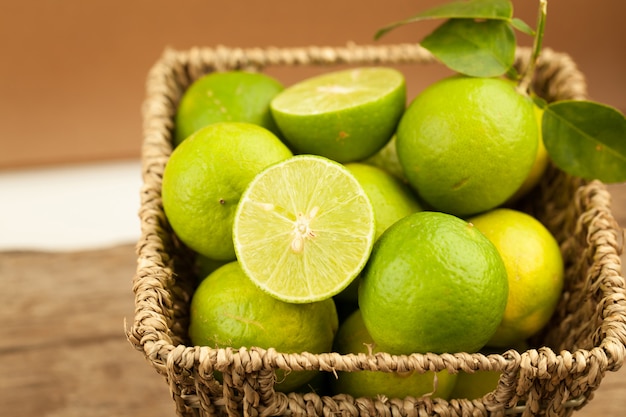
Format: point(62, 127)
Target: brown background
point(72, 72)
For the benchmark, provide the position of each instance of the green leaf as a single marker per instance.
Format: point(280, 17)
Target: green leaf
point(474, 48)
point(586, 139)
point(513, 74)
point(539, 101)
point(522, 26)
point(469, 9)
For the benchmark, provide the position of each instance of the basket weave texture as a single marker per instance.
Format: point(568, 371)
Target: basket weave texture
point(585, 339)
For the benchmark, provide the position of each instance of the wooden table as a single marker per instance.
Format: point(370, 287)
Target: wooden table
point(63, 350)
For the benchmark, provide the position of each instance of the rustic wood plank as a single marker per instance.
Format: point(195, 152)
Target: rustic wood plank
point(63, 350)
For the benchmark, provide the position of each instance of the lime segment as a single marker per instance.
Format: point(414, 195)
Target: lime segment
point(304, 229)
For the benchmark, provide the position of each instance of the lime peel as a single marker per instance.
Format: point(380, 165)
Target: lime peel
point(346, 115)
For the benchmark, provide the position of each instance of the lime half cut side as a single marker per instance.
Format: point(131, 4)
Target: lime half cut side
point(303, 229)
point(346, 115)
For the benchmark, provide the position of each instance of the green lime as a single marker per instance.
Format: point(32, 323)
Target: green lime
point(390, 197)
point(474, 385)
point(391, 200)
point(205, 176)
point(467, 144)
point(387, 159)
point(353, 337)
point(230, 96)
point(228, 310)
point(304, 229)
point(345, 115)
point(204, 266)
point(534, 265)
point(542, 160)
point(433, 283)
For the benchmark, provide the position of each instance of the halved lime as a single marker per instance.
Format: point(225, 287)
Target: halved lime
point(303, 229)
point(345, 115)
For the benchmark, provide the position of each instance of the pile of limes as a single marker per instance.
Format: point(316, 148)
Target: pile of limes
point(330, 216)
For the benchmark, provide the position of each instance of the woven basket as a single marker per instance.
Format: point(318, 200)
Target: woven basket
point(585, 339)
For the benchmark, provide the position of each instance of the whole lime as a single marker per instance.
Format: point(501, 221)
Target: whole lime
point(473, 385)
point(228, 310)
point(542, 160)
point(433, 283)
point(390, 197)
point(534, 265)
point(387, 159)
point(467, 144)
point(476, 384)
point(229, 96)
point(391, 200)
point(353, 337)
point(203, 266)
point(205, 176)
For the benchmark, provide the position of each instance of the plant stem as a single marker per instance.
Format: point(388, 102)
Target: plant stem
point(524, 85)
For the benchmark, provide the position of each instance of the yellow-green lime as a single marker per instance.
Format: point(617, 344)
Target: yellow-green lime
point(534, 267)
point(228, 310)
point(229, 96)
point(205, 176)
point(474, 385)
point(204, 266)
point(345, 115)
point(542, 160)
point(467, 144)
point(433, 283)
point(304, 229)
point(387, 159)
point(353, 337)
point(391, 199)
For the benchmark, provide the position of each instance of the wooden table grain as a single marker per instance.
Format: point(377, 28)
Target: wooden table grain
point(63, 350)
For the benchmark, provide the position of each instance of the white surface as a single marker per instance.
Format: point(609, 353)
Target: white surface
point(70, 207)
